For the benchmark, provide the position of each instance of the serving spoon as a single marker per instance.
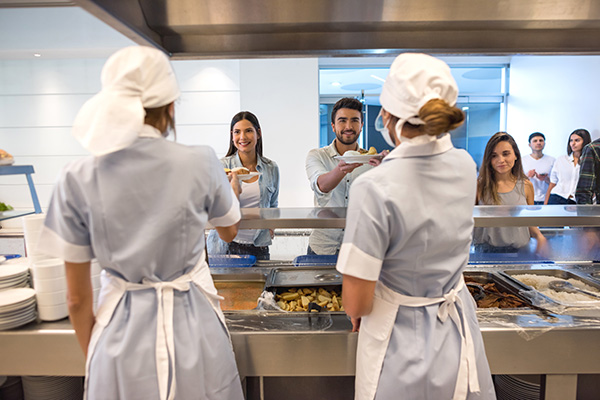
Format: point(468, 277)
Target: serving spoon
point(564, 286)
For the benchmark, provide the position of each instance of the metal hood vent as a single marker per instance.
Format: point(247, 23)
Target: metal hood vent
point(271, 28)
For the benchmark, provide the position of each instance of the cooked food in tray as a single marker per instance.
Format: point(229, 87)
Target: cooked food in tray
point(487, 295)
point(541, 284)
point(300, 299)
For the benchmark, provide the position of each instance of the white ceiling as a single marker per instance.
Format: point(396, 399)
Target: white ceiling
point(56, 32)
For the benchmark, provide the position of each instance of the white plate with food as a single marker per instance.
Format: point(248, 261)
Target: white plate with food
point(360, 159)
point(248, 176)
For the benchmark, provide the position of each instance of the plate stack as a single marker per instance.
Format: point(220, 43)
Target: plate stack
point(14, 274)
point(17, 307)
point(96, 270)
point(52, 387)
point(51, 288)
point(517, 387)
point(32, 229)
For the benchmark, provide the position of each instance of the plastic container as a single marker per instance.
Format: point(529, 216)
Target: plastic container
point(315, 260)
point(233, 260)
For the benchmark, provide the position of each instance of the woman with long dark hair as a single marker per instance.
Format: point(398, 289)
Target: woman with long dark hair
point(565, 171)
point(502, 181)
point(262, 191)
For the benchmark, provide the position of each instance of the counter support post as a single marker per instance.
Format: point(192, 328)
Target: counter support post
point(561, 387)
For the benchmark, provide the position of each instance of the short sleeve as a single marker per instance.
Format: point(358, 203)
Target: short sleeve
point(554, 172)
point(366, 237)
point(223, 206)
point(65, 234)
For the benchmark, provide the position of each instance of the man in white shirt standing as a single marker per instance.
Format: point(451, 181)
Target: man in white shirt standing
point(329, 178)
point(537, 166)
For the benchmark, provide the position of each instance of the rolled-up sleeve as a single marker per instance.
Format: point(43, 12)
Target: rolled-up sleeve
point(315, 167)
point(366, 237)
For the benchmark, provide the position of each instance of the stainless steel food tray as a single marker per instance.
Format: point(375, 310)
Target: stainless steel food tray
point(560, 274)
point(303, 277)
point(484, 277)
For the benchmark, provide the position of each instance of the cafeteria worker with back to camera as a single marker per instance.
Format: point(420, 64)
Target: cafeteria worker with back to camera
point(406, 244)
point(139, 205)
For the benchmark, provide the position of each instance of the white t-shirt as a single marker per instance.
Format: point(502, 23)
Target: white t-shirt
point(541, 166)
point(249, 198)
point(565, 175)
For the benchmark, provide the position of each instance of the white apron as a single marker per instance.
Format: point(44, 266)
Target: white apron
point(376, 330)
point(113, 289)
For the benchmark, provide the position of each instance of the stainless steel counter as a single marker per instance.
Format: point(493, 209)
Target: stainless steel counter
point(272, 344)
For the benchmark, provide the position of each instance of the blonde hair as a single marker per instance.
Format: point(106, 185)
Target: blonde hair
point(439, 117)
point(159, 117)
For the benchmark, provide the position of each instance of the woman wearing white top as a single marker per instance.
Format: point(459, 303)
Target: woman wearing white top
point(406, 244)
point(565, 171)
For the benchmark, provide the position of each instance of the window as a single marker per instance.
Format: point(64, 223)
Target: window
point(482, 97)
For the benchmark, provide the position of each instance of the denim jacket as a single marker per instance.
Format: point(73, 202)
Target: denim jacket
point(268, 183)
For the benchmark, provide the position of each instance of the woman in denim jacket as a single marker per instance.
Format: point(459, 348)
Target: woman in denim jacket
point(245, 150)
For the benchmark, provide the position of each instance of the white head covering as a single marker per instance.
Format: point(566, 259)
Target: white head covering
point(414, 79)
point(133, 78)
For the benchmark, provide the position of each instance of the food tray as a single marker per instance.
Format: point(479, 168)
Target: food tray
point(556, 273)
point(303, 276)
point(482, 278)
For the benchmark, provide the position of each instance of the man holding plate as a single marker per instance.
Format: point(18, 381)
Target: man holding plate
point(331, 170)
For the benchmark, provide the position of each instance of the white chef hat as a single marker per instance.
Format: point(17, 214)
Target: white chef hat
point(413, 80)
point(133, 78)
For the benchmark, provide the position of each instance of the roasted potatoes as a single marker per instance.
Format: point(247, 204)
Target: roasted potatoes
point(298, 299)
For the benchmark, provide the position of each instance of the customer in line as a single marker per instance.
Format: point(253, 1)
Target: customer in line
point(406, 244)
point(261, 191)
point(588, 186)
point(501, 181)
point(331, 179)
point(139, 205)
point(537, 166)
point(565, 172)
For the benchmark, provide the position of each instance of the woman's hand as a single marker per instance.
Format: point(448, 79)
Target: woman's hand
point(375, 161)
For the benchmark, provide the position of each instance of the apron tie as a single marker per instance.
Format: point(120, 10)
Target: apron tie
point(165, 346)
point(388, 301)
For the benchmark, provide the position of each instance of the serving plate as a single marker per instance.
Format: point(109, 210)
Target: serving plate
point(361, 159)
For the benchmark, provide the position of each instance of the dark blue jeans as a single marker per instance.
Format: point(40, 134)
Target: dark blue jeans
point(556, 199)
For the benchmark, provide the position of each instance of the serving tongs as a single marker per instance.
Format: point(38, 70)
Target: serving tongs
point(481, 291)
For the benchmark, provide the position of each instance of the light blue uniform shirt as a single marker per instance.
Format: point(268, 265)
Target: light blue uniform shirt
point(142, 212)
point(409, 225)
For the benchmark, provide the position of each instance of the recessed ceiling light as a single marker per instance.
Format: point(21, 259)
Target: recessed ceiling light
point(335, 84)
point(37, 55)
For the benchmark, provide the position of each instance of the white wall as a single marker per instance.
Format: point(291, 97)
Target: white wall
point(284, 95)
point(39, 99)
point(554, 95)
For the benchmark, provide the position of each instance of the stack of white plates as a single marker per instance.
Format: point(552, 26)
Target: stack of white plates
point(14, 274)
point(51, 288)
point(17, 307)
point(32, 229)
point(52, 387)
point(96, 270)
point(517, 387)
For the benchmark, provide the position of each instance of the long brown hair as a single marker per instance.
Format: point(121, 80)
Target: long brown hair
point(487, 186)
point(248, 116)
point(583, 134)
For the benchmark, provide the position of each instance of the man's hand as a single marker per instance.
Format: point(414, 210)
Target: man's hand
point(531, 173)
point(347, 168)
point(375, 161)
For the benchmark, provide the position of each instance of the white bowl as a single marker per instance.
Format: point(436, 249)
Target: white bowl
point(49, 285)
point(53, 313)
point(51, 298)
point(96, 282)
point(49, 268)
point(96, 268)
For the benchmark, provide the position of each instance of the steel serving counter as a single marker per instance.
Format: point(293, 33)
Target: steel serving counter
point(272, 344)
